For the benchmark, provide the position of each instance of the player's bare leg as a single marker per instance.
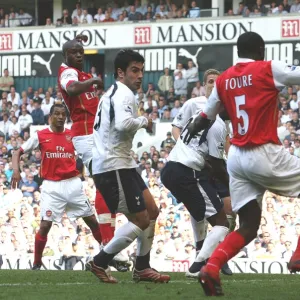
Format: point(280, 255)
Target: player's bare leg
point(249, 216)
point(142, 269)
point(40, 243)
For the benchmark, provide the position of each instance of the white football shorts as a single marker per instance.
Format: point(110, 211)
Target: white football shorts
point(255, 170)
point(84, 147)
point(62, 196)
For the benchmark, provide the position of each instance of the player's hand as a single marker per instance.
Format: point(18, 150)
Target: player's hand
point(149, 126)
point(98, 83)
point(193, 128)
point(16, 178)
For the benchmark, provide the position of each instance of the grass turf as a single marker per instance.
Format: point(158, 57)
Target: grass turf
point(43, 285)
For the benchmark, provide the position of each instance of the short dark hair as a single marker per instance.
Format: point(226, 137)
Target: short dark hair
point(59, 105)
point(249, 44)
point(124, 58)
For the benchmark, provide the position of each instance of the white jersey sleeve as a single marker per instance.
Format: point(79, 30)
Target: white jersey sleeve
point(213, 105)
point(31, 143)
point(67, 77)
point(284, 74)
point(216, 138)
point(125, 119)
point(184, 114)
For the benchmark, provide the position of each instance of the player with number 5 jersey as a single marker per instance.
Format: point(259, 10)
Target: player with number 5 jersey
point(256, 161)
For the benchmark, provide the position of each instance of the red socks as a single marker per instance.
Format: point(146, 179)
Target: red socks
point(229, 248)
point(106, 219)
point(39, 245)
point(97, 234)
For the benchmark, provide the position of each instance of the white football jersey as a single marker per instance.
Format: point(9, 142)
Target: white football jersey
point(116, 123)
point(188, 109)
point(210, 141)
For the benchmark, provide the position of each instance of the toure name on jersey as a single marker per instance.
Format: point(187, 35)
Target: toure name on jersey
point(238, 82)
point(60, 153)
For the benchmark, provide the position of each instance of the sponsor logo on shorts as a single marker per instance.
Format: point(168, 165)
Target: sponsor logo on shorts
point(48, 213)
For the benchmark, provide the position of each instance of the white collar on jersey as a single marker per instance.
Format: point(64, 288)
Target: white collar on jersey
point(243, 60)
point(53, 131)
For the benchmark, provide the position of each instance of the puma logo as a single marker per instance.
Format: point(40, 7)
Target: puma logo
point(188, 55)
point(39, 60)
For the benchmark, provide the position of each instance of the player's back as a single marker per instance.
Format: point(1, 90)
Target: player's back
point(83, 107)
point(249, 94)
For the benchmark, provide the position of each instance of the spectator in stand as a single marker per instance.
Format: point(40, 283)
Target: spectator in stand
point(194, 11)
point(25, 120)
point(4, 125)
point(294, 103)
point(24, 18)
point(134, 15)
point(37, 114)
point(48, 22)
point(100, 16)
point(86, 16)
point(13, 96)
point(295, 8)
point(13, 20)
point(108, 17)
point(180, 85)
point(181, 69)
point(29, 187)
point(165, 82)
point(149, 13)
point(260, 8)
point(173, 11)
point(192, 77)
point(175, 109)
point(14, 127)
point(198, 90)
point(6, 82)
point(75, 11)
point(286, 6)
point(66, 19)
point(185, 11)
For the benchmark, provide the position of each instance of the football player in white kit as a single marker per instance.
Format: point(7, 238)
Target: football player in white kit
point(186, 112)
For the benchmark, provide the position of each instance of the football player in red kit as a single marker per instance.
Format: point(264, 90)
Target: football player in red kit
point(62, 188)
point(256, 160)
point(79, 93)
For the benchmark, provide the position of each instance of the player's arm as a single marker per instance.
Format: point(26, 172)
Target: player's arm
point(212, 108)
point(29, 145)
point(216, 140)
point(284, 74)
point(69, 82)
point(181, 119)
point(124, 116)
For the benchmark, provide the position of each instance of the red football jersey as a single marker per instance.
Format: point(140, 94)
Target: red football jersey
point(58, 154)
point(249, 95)
point(82, 108)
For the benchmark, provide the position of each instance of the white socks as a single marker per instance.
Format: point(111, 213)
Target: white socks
point(124, 236)
point(199, 229)
point(217, 235)
point(145, 239)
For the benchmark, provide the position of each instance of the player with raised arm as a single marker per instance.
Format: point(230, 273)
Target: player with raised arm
point(79, 92)
point(115, 174)
point(187, 179)
point(188, 109)
point(62, 188)
point(257, 161)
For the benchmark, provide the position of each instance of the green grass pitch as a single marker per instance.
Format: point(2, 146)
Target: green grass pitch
point(73, 285)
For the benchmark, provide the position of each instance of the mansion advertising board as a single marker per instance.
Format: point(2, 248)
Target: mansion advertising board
point(183, 32)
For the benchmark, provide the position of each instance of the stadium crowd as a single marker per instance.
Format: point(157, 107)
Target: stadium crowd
point(72, 240)
point(137, 10)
